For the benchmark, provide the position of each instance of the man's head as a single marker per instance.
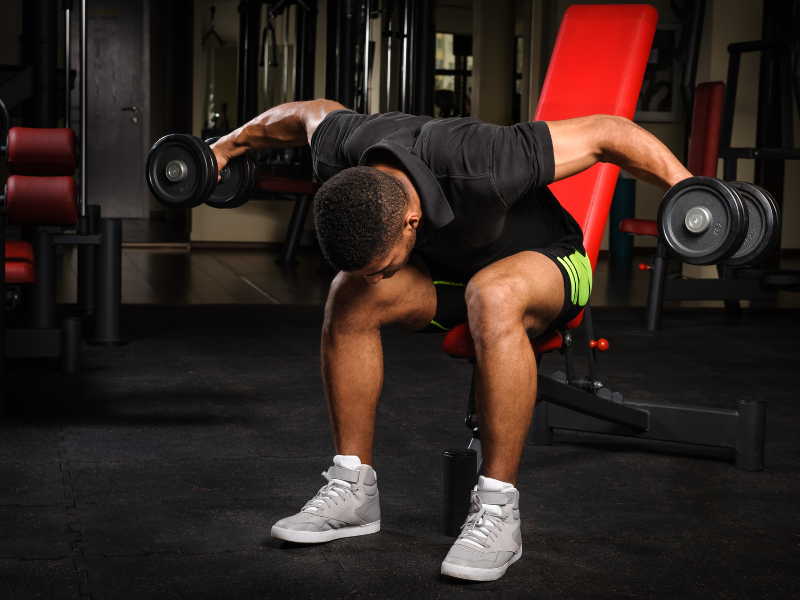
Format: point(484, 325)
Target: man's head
point(363, 221)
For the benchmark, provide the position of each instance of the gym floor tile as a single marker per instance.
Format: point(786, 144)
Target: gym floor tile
point(38, 579)
point(167, 441)
point(36, 532)
point(259, 573)
point(141, 529)
point(24, 443)
point(148, 481)
point(29, 484)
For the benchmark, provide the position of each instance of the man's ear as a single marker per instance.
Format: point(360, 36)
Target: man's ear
point(411, 220)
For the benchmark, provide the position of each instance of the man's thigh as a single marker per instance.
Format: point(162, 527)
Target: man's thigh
point(407, 300)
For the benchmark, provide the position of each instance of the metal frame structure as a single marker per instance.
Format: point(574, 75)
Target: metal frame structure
point(571, 402)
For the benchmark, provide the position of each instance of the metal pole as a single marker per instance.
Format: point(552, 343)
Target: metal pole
point(67, 99)
point(348, 38)
point(459, 477)
point(83, 100)
point(655, 295)
point(387, 33)
point(87, 261)
point(43, 291)
point(403, 75)
point(109, 284)
point(366, 57)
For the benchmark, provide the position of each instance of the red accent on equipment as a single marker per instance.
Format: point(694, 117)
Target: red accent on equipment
point(644, 267)
point(706, 122)
point(270, 183)
point(41, 151)
point(458, 342)
point(597, 67)
point(639, 227)
point(19, 263)
point(41, 201)
point(19, 251)
point(601, 344)
point(19, 272)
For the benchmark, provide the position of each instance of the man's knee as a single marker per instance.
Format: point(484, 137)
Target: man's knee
point(350, 303)
point(495, 306)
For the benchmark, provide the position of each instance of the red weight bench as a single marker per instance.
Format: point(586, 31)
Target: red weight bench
point(302, 192)
point(597, 66)
point(733, 284)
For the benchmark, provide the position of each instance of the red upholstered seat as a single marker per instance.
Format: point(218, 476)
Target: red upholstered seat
point(19, 263)
point(639, 227)
point(19, 251)
point(597, 67)
point(703, 146)
point(270, 183)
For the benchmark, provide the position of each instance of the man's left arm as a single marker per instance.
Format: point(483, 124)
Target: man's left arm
point(580, 143)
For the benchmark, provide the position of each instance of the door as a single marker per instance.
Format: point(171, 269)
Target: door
point(117, 107)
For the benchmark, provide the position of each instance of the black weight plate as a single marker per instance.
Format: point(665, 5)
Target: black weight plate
point(240, 176)
point(725, 233)
point(200, 174)
point(254, 180)
point(763, 230)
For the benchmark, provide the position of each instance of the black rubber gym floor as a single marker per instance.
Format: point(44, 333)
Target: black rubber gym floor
point(159, 470)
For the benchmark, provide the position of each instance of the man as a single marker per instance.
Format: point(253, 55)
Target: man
point(434, 222)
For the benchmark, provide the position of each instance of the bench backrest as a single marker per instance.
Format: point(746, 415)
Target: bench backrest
point(597, 67)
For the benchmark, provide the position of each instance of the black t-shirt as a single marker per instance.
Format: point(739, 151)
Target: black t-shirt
point(483, 188)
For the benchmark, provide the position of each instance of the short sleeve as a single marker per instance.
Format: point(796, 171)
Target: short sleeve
point(328, 147)
point(522, 159)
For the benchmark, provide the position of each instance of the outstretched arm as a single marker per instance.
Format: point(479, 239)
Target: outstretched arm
point(580, 143)
point(284, 126)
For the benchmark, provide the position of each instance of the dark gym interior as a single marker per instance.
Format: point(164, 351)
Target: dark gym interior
point(162, 404)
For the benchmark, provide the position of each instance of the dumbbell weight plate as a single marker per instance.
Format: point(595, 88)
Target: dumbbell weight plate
point(237, 183)
point(181, 171)
point(713, 241)
point(763, 231)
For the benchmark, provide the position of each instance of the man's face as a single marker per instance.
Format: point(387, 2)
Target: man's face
point(396, 259)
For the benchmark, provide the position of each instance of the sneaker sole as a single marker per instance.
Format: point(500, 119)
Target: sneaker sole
point(476, 574)
point(318, 537)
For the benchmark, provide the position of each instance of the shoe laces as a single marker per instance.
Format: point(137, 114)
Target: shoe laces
point(334, 491)
point(483, 525)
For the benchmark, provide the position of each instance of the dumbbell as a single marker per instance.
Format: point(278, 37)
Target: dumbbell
point(706, 221)
point(182, 173)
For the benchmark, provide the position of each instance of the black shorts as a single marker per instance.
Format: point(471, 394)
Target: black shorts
point(451, 285)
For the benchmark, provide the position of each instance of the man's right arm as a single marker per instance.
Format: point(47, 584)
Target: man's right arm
point(284, 126)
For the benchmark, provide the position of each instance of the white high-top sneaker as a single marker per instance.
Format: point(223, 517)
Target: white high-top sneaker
point(346, 506)
point(490, 539)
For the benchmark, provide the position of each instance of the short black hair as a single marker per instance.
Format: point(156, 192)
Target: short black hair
point(359, 214)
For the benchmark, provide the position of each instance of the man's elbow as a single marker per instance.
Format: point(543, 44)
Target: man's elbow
point(608, 130)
